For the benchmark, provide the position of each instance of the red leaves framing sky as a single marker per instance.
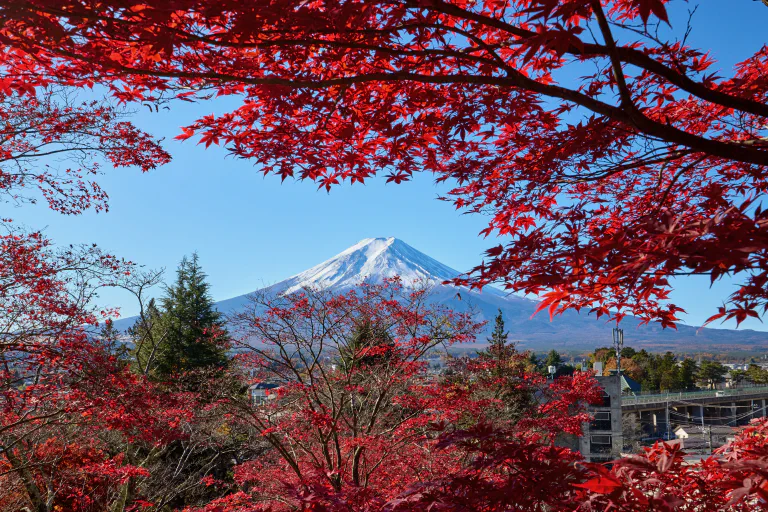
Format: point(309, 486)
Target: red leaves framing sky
point(649, 166)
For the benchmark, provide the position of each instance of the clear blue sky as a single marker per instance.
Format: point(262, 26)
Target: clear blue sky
point(251, 230)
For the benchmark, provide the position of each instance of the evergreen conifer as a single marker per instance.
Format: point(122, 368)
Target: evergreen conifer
point(148, 335)
point(110, 337)
point(499, 349)
point(195, 337)
point(370, 344)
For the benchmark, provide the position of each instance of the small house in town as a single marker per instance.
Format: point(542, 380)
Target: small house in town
point(262, 391)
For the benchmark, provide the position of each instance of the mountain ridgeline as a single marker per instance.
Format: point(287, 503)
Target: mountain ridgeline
point(375, 259)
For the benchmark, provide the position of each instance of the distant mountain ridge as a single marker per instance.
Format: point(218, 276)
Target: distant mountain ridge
point(375, 259)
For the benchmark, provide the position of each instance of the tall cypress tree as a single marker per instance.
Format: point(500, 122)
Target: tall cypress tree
point(148, 335)
point(195, 336)
point(367, 337)
point(498, 339)
point(499, 349)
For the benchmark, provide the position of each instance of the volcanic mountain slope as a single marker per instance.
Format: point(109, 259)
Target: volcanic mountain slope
point(375, 259)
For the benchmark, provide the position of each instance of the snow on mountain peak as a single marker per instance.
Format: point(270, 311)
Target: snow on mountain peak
point(372, 260)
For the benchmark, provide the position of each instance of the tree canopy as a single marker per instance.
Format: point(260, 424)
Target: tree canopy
point(195, 336)
point(649, 165)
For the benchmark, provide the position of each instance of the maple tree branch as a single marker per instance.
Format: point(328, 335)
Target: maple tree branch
point(617, 169)
point(618, 73)
point(629, 55)
point(676, 177)
point(684, 82)
point(631, 117)
point(513, 79)
point(626, 54)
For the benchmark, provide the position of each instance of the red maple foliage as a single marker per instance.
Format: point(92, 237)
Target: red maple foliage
point(357, 423)
point(662, 479)
point(508, 461)
point(510, 476)
point(350, 417)
point(51, 142)
point(648, 167)
point(65, 398)
point(611, 158)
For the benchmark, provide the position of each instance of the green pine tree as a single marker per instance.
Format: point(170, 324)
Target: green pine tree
point(506, 366)
point(499, 349)
point(148, 335)
point(688, 371)
point(553, 359)
point(110, 337)
point(195, 337)
point(711, 373)
point(535, 363)
point(499, 337)
point(757, 375)
point(370, 344)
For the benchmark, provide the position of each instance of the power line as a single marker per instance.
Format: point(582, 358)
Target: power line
point(732, 418)
point(693, 404)
point(715, 418)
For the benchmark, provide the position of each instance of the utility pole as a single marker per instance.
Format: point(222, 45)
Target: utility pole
point(618, 343)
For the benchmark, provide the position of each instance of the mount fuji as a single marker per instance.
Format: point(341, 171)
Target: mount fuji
point(375, 259)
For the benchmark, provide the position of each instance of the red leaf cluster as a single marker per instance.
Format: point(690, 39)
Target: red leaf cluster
point(605, 186)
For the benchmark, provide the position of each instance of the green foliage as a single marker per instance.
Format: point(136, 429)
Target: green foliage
point(553, 359)
point(499, 336)
point(499, 347)
point(756, 374)
point(534, 362)
point(186, 333)
point(688, 369)
point(370, 344)
point(658, 372)
point(504, 368)
point(738, 376)
point(654, 372)
point(711, 372)
point(148, 333)
point(602, 355)
point(628, 352)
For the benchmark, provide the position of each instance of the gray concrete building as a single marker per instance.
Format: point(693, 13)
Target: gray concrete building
point(603, 440)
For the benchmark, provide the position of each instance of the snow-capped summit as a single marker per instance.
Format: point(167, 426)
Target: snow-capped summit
point(371, 260)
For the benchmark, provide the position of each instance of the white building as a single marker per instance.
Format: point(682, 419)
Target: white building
point(263, 391)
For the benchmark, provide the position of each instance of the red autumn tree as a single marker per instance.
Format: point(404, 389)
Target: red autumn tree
point(347, 420)
point(648, 166)
point(357, 423)
point(53, 143)
point(59, 388)
point(80, 429)
point(507, 425)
